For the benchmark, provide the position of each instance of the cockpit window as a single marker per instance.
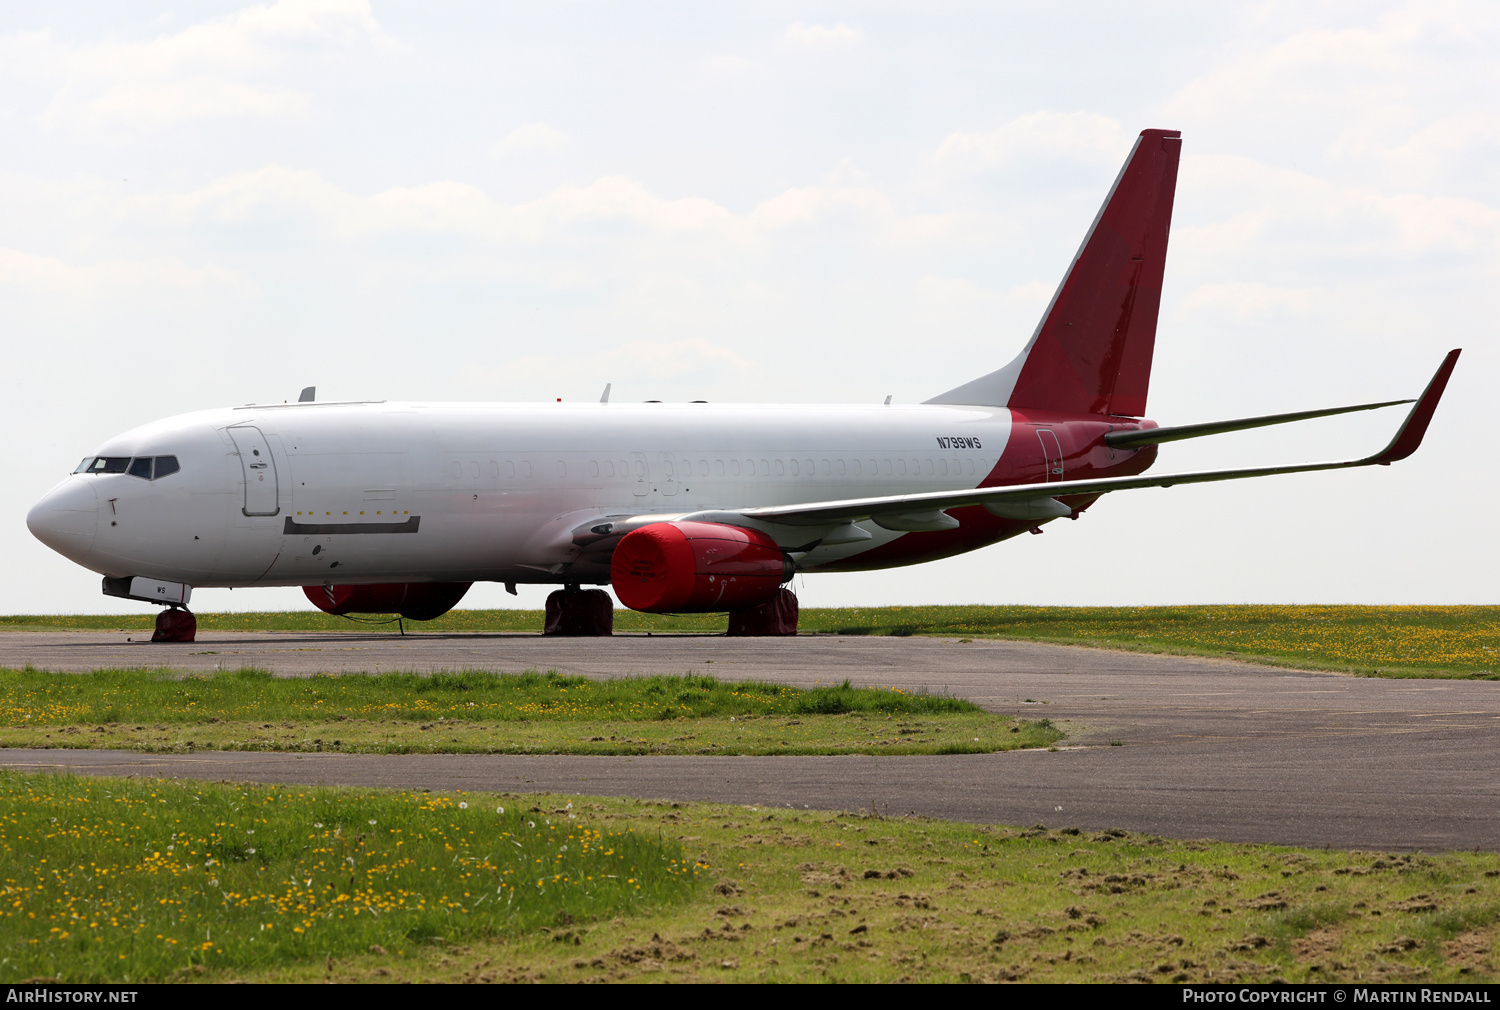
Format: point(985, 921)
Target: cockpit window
point(145, 467)
point(104, 464)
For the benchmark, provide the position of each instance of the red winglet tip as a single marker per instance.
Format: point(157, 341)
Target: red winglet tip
point(1410, 436)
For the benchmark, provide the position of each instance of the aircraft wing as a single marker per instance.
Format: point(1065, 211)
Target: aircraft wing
point(823, 513)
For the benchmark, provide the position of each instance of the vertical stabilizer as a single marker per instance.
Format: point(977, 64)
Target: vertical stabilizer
point(1091, 353)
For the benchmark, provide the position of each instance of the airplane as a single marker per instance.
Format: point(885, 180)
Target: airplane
point(398, 508)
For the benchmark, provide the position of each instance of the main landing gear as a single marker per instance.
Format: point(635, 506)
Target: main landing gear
point(577, 612)
point(574, 611)
point(777, 616)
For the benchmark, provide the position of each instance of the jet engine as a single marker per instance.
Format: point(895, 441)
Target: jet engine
point(696, 568)
point(415, 601)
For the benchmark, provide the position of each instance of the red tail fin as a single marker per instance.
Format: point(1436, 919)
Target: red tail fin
point(1091, 354)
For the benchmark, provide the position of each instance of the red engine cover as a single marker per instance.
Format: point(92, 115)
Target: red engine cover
point(416, 601)
point(695, 568)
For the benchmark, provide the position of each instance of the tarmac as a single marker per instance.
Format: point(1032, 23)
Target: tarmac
point(1178, 746)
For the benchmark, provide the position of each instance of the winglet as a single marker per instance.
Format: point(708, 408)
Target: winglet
point(1410, 434)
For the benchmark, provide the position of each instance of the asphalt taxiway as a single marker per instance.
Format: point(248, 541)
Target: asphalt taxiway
point(1179, 746)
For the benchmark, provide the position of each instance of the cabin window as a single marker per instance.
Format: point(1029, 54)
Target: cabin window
point(855, 465)
point(609, 468)
point(942, 465)
point(827, 469)
point(795, 469)
point(718, 468)
point(765, 468)
point(510, 468)
point(780, 468)
point(969, 466)
point(901, 467)
point(525, 468)
point(734, 467)
point(562, 468)
point(593, 468)
point(474, 469)
point(492, 469)
point(839, 465)
point(885, 467)
point(456, 469)
point(703, 467)
point(811, 470)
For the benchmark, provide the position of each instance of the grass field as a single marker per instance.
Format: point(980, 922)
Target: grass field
point(489, 713)
point(129, 880)
point(1374, 641)
point(109, 880)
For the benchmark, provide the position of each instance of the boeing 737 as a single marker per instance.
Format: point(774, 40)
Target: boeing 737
point(385, 507)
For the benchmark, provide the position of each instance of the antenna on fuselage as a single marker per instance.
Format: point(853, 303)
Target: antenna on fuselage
point(308, 394)
point(888, 398)
point(604, 397)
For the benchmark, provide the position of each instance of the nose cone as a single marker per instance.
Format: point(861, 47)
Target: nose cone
point(67, 518)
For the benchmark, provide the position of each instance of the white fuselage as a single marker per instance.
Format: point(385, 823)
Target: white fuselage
point(301, 494)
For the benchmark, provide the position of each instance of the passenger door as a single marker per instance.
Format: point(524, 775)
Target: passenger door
point(261, 488)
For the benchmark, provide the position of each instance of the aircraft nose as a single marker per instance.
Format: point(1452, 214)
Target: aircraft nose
point(66, 518)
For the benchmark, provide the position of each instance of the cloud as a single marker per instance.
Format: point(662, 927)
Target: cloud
point(534, 137)
point(1315, 67)
point(1293, 219)
point(1464, 144)
point(42, 275)
point(803, 36)
point(211, 70)
point(1037, 136)
point(1245, 300)
point(1403, 97)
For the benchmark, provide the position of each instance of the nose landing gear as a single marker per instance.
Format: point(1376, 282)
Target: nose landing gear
point(175, 624)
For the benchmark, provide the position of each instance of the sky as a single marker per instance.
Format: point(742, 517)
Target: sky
point(214, 203)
